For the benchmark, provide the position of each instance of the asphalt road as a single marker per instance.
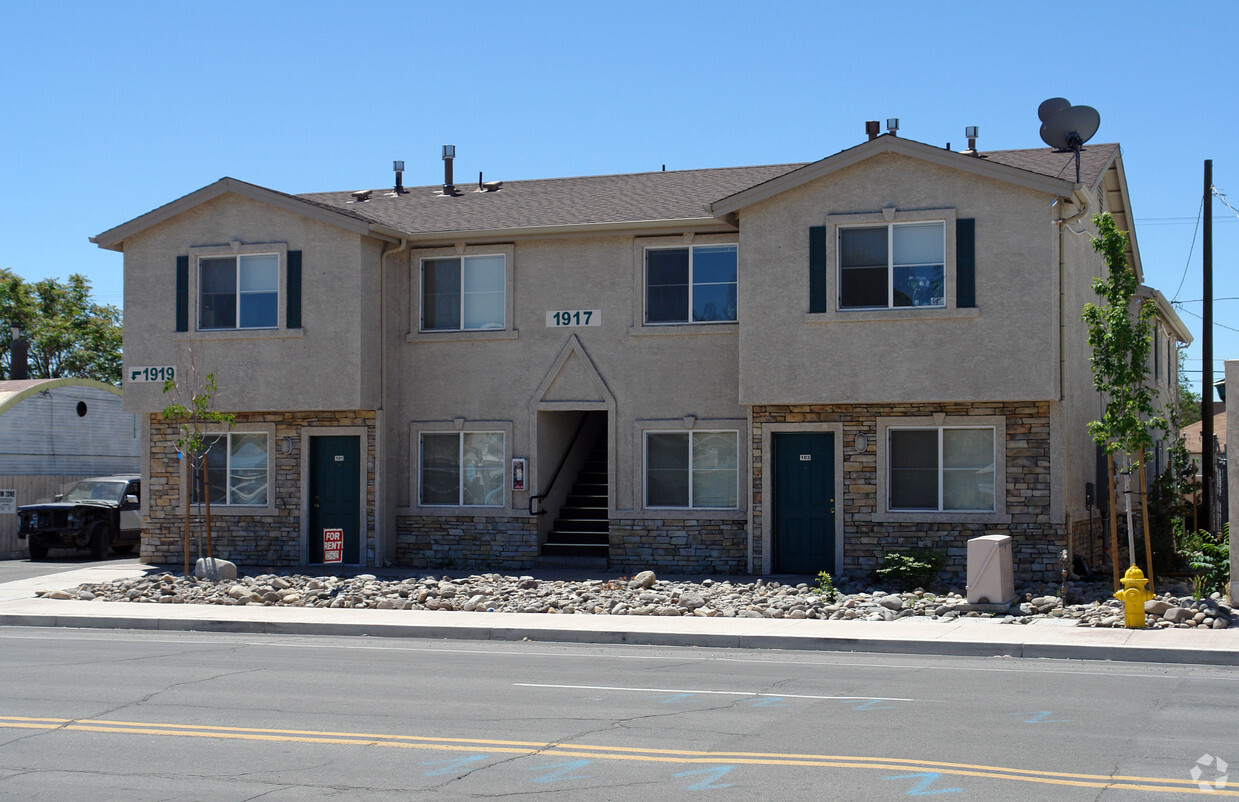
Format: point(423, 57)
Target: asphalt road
point(133, 715)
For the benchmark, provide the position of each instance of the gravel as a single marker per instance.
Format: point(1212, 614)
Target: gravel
point(1088, 604)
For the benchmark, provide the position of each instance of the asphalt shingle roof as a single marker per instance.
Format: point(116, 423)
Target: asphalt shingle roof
point(624, 198)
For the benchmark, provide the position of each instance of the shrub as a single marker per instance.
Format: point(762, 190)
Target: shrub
point(826, 587)
point(908, 570)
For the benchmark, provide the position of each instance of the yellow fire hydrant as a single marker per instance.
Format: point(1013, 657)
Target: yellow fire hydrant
point(1133, 595)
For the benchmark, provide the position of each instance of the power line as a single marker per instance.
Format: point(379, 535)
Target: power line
point(1190, 250)
point(1219, 325)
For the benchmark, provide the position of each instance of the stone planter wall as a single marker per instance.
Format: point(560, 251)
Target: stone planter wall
point(694, 546)
point(484, 542)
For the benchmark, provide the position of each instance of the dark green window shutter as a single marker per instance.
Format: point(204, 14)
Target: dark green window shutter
point(293, 315)
point(965, 263)
point(817, 268)
point(182, 293)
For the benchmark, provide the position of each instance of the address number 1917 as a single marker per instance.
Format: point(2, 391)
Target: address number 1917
point(574, 317)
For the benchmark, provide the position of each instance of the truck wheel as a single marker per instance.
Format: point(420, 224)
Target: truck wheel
point(38, 548)
point(100, 541)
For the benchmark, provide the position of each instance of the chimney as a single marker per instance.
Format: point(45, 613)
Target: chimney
point(871, 128)
point(398, 166)
point(19, 368)
point(449, 153)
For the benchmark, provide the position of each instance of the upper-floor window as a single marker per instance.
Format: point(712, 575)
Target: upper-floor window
point(694, 284)
point(893, 265)
point(463, 293)
point(239, 292)
point(941, 469)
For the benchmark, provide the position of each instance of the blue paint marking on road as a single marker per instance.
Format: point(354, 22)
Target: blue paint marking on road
point(768, 701)
point(666, 700)
point(711, 780)
point(564, 773)
point(872, 704)
point(450, 765)
point(1040, 717)
point(922, 788)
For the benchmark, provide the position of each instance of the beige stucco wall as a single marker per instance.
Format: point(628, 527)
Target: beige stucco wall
point(644, 376)
point(330, 363)
point(995, 352)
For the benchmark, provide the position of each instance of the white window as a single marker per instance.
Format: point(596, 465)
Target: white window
point(237, 470)
point(690, 285)
point(463, 293)
point(941, 469)
point(696, 470)
point(462, 469)
point(895, 265)
point(239, 292)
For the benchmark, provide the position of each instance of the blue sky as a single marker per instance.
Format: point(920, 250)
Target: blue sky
point(112, 109)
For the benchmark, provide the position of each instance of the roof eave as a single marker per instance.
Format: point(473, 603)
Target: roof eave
point(544, 232)
point(114, 238)
point(1165, 310)
point(888, 144)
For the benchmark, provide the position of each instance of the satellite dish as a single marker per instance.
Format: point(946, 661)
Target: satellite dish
point(1070, 127)
point(1054, 104)
point(1066, 128)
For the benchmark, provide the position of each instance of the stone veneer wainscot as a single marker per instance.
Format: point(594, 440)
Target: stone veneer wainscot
point(1036, 541)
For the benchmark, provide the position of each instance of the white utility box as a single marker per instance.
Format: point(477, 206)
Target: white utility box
point(989, 570)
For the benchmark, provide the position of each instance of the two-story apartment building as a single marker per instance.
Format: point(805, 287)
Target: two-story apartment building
point(785, 368)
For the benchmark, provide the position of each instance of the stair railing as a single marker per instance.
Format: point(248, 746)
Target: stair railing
point(533, 500)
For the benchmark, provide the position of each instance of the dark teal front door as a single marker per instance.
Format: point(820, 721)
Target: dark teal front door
point(335, 494)
point(804, 502)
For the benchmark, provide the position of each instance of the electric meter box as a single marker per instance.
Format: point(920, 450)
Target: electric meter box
point(989, 570)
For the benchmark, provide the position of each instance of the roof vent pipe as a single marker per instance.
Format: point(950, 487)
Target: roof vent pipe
point(892, 125)
point(872, 129)
point(398, 166)
point(19, 368)
point(449, 153)
point(970, 131)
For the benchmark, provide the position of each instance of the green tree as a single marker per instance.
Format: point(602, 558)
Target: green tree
point(1120, 344)
point(69, 334)
point(193, 418)
point(1189, 400)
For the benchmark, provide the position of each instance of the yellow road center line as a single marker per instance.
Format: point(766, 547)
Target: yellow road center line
point(637, 754)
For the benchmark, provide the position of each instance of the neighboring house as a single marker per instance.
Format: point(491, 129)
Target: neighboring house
point(52, 432)
point(785, 368)
point(1192, 434)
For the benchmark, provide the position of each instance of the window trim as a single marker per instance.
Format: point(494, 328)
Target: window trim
point(998, 423)
point(890, 228)
point(638, 326)
point(418, 334)
point(645, 469)
point(691, 247)
point(834, 314)
point(199, 252)
point(237, 509)
point(479, 427)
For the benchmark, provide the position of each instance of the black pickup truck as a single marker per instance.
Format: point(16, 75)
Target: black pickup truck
point(98, 514)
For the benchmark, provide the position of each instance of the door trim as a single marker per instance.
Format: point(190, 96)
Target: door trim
point(768, 430)
point(365, 533)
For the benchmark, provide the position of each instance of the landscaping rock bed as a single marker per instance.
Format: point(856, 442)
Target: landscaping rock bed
point(1087, 604)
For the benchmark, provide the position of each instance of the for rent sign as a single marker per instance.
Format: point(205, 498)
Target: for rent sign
point(333, 545)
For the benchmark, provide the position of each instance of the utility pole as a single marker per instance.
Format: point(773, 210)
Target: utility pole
point(1206, 351)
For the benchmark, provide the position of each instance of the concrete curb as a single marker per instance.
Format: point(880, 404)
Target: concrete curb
point(968, 641)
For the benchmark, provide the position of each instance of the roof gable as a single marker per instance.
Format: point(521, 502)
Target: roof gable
point(114, 238)
point(1036, 172)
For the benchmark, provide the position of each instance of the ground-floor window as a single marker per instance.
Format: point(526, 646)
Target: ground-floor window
point(237, 469)
point(698, 470)
point(462, 469)
point(943, 469)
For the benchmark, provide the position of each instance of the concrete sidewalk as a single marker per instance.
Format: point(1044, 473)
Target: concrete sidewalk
point(1048, 638)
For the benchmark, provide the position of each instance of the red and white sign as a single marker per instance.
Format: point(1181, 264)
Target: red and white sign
point(333, 545)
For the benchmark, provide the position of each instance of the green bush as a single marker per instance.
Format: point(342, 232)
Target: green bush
point(1209, 556)
point(826, 587)
point(908, 570)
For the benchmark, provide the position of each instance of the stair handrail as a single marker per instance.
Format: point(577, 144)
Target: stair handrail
point(562, 460)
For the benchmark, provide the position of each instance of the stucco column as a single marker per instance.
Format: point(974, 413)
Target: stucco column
point(1232, 481)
